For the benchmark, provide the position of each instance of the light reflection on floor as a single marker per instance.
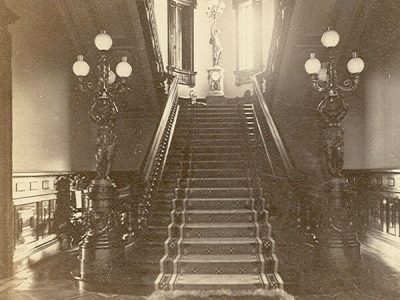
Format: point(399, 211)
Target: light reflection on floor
point(51, 280)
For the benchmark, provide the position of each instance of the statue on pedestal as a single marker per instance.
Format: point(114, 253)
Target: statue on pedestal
point(216, 45)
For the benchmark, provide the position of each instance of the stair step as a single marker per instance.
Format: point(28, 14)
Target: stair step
point(210, 115)
point(218, 203)
point(188, 165)
point(205, 131)
point(207, 142)
point(219, 230)
point(219, 258)
point(217, 192)
point(216, 112)
point(211, 107)
point(219, 264)
point(206, 156)
point(220, 215)
point(214, 164)
point(220, 281)
point(208, 109)
point(206, 124)
point(214, 136)
point(215, 173)
point(212, 149)
point(214, 182)
point(220, 246)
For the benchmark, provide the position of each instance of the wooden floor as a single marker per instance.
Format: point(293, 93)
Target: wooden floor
point(378, 278)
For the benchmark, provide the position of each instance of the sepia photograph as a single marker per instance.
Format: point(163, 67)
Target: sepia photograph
point(199, 149)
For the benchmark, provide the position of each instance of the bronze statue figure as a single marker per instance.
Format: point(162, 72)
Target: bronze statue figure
point(333, 109)
point(104, 112)
point(105, 145)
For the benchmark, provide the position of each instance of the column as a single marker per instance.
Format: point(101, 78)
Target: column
point(6, 205)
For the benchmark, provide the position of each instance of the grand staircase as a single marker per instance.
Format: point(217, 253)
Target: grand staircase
point(209, 226)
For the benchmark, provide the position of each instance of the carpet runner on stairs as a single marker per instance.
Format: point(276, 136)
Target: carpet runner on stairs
point(210, 211)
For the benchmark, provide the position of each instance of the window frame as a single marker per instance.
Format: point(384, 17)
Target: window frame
point(183, 70)
point(244, 76)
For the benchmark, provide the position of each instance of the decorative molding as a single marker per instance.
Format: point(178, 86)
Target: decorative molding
point(235, 3)
point(246, 76)
point(7, 17)
point(377, 198)
point(185, 77)
point(186, 2)
point(37, 203)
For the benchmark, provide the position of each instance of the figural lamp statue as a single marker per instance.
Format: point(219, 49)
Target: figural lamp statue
point(103, 236)
point(337, 232)
point(215, 9)
point(333, 107)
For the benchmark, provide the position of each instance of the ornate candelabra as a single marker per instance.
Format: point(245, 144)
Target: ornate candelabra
point(102, 242)
point(215, 8)
point(338, 235)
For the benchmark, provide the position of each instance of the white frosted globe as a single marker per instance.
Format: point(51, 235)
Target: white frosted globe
point(80, 67)
point(111, 77)
point(355, 65)
point(103, 41)
point(322, 75)
point(330, 38)
point(312, 65)
point(124, 69)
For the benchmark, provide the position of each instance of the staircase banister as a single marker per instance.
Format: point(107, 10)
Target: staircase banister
point(288, 165)
point(149, 4)
point(150, 157)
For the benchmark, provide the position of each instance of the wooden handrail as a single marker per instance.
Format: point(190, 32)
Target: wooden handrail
point(263, 141)
point(150, 26)
point(289, 168)
point(160, 130)
point(154, 164)
point(283, 13)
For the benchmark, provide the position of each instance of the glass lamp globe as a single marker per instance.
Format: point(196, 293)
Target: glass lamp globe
point(80, 67)
point(330, 38)
point(124, 69)
point(323, 73)
point(355, 64)
point(312, 65)
point(111, 77)
point(103, 41)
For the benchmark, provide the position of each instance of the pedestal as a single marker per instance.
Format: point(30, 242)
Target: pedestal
point(340, 244)
point(102, 248)
point(216, 81)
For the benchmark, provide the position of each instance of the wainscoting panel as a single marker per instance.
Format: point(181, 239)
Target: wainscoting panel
point(378, 196)
point(35, 199)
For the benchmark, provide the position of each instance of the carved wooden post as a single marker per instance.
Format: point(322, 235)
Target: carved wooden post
point(62, 184)
point(6, 205)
